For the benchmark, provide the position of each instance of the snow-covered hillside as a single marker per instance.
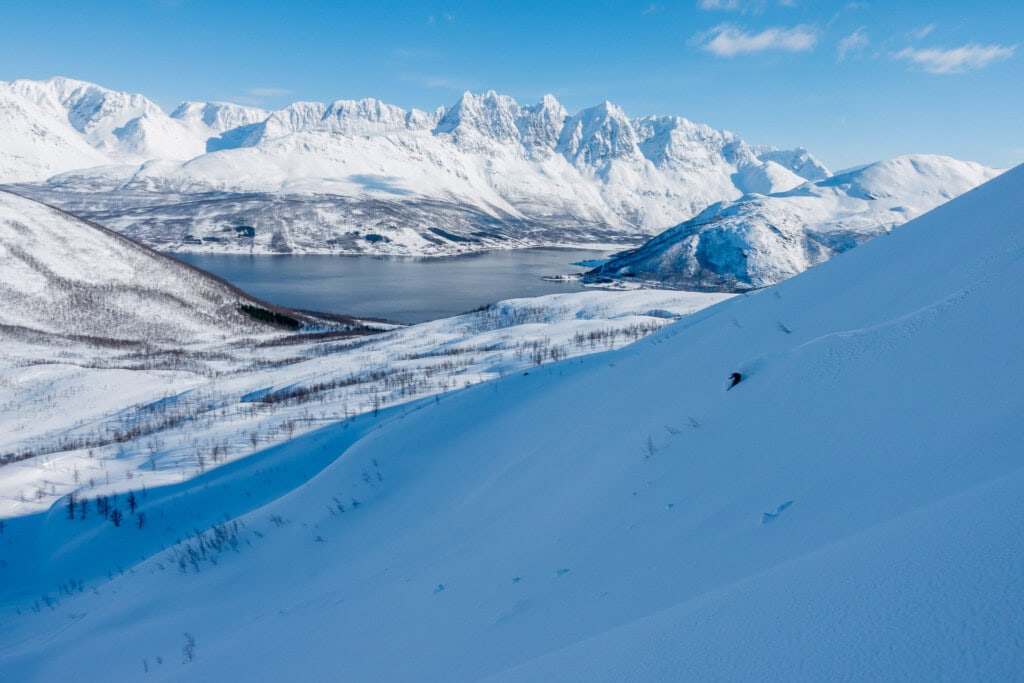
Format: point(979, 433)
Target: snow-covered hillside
point(485, 172)
point(850, 509)
point(761, 240)
point(63, 277)
point(115, 351)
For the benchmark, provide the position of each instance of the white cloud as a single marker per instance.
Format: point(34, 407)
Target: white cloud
point(956, 60)
point(440, 81)
point(741, 5)
point(650, 9)
point(726, 40)
point(269, 92)
point(922, 31)
point(854, 42)
point(412, 53)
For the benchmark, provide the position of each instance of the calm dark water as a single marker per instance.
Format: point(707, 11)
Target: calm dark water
point(402, 289)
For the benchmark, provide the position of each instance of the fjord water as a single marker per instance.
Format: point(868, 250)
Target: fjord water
point(402, 289)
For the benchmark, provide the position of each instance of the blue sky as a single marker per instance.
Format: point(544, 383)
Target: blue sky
point(852, 81)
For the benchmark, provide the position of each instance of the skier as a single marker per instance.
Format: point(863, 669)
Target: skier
point(735, 379)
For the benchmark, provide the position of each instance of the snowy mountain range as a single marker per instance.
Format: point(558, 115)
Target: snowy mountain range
point(363, 176)
point(484, 172)
point(762, 239)
point(850, 508)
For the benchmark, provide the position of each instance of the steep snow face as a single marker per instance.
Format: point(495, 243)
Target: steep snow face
point(67, 278)
point(597, 137)
point(540, 126)
point(37, 146)
point(527, 170)
point(296, 117)
point(850, 508)
point(219, 124)
point(121, 125)
point(344, 117)
point(217, 117)
point(372, 117)
point(798, 160)
point(476, 122)
point(761, 240)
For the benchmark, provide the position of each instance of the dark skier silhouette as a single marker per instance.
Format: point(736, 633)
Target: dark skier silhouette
point(734, 379)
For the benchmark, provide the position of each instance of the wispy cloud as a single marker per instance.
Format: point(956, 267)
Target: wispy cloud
point(855, 42)
point(727, 40)
point(956, 60)
point(727, 5)
point(440, 82)
point(741, 5)
point(412, 53)
point(269, 92)
point(922, 32)
point(650, 9)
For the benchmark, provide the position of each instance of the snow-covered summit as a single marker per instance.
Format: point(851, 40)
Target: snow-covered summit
point(799, 161)
point(480, 119)
point(596, 137)
point(217, 117)
point(124, 126)
point(765, 238)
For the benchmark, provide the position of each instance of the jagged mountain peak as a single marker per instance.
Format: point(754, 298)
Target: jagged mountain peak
point(475, 119)
point(598, 135)
point(541, 124)
point(125, 126)
point(486, 153)
point(797, 160)
point(551, 103)
point(87, 106)
point(218, 116)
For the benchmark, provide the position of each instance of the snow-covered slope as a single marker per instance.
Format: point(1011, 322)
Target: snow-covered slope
point(765, 238)
point(64, 277)
point(36, 145)
point(122, 127)
point(849, 510)
point(487, 170)
point(220, 124)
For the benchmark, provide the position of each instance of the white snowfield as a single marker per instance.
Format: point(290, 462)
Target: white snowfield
point(850, 510)
point(761, 240)
point(114, 357)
